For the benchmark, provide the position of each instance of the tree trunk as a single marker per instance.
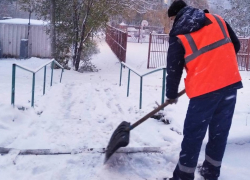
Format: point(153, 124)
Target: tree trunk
point(76, 30)
point(83, 34)
point(30, 12)
point(52, 26)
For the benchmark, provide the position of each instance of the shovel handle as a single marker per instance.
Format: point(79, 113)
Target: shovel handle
point(154, 111)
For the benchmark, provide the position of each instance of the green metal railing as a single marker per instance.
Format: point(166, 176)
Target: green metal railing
point(141, 80)
point(14, 66)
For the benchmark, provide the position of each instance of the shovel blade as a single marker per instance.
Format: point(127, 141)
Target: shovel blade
point(120, 138)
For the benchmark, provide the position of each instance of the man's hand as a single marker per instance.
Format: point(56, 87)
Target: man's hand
point(172, 101)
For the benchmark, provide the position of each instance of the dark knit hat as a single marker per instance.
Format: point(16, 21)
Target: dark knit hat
point(175, 7)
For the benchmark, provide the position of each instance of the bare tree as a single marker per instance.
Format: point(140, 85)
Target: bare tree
point(97, 13)
point(52, 26)
point(30, 7)
point(201, 4)
point(7, 8)
point(237, 15)
point(11, 8)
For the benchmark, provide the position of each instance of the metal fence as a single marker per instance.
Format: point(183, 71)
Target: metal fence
point(117, 41)
point(142, 75)
point(33, 71)
point(158, 47)
point(157, 51)
point(12, 34)
point(139, 34)
point(243, 56)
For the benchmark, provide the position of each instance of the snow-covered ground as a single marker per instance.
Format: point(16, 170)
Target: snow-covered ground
point(84, 110)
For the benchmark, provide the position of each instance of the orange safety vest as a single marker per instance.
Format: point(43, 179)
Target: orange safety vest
point(210, 58)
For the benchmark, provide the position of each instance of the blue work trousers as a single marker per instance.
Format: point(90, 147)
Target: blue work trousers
point(213, 111)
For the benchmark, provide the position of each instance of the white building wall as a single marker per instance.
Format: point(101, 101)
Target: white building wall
point(11, 35)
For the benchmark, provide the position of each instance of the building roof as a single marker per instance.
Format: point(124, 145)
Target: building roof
point(23, 21)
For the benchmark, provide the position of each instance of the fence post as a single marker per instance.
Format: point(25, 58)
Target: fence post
point(52, 68)
point(141, 91)
point(149, 49)
point(163, 85)
point(44, 80)
point(121, 75)
point(120, 43)
point(139, 34)
point(13, 84)
point(33, 90)
point(61, 75)
point(128, 82)
point(125, 45)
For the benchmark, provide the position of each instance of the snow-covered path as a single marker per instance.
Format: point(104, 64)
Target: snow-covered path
point(84, 110)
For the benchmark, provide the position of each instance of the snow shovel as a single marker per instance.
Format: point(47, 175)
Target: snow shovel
point(120, 137)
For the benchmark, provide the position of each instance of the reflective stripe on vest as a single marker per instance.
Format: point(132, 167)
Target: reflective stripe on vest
point(210, 47)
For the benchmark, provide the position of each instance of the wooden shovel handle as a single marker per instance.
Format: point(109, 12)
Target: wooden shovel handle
point(154, 111)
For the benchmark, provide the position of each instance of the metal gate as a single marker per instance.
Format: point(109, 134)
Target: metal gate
point(157, 51)
point(117, 41)
point(158, 47)
point(243, 56)
point(139, 34)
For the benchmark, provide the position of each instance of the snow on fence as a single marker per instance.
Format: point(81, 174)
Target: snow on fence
point(126, 150)
point(12, 31)
point(33, 71)
point(141, 75)
point(117, 41)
